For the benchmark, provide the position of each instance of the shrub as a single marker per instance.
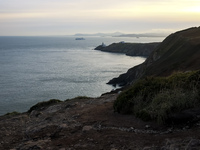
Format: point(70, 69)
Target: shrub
point(171, 101)
point(44, 104)
point(154, 98)
point(82, 97)
point(14, 113)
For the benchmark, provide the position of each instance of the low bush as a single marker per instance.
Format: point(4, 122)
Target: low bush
point(82, 97)
point(154, 98)
point(44, 104)
point(14, 113)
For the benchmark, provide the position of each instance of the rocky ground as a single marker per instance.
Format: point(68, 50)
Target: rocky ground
point(91, 124)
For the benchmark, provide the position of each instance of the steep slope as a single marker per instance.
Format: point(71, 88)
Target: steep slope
point(178, 52)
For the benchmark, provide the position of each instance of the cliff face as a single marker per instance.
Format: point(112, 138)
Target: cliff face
point(130, 49)
point(178, 52)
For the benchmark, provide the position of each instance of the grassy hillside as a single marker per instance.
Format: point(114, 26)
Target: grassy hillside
point(167, 83)
point(178, 52)
point(157, 98)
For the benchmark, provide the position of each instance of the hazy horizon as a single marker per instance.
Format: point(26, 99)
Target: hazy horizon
point(65, 17)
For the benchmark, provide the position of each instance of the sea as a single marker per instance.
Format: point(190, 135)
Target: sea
point(35, 69)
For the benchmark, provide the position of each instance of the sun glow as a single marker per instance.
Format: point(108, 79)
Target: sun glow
point(98, 15)
point(195, 9)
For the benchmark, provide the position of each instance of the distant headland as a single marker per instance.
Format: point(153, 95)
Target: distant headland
point(120, 34)
point(130, 49)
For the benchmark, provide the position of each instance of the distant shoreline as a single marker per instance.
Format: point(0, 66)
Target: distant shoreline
point(130, 49)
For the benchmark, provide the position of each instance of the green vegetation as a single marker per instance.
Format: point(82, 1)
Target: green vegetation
point(82, 97)
point(14, 113)
point(44, 104)
point(79, 97)
point(155, 98)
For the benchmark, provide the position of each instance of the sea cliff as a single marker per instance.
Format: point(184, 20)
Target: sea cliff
point(180, 51)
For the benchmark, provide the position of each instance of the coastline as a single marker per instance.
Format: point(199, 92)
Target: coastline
point(130, 49)
point(91, 123)
point(43, 68)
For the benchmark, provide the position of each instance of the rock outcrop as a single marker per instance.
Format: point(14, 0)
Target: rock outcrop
point(178, 52)
point(130, 49)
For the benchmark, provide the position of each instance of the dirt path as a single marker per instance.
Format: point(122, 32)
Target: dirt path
point(90, 124)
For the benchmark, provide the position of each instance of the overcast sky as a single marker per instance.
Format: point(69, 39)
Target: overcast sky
point(64, 17)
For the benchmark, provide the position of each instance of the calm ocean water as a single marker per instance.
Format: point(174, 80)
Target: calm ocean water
point(34, 69)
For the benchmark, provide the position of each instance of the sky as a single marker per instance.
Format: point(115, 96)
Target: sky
point(66, 17)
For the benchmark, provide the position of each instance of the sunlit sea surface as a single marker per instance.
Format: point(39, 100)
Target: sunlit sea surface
point(35, 69)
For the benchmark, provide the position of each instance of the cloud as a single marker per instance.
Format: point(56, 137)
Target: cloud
point(27, 16)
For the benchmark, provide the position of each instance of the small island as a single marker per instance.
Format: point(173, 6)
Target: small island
point(80, 38)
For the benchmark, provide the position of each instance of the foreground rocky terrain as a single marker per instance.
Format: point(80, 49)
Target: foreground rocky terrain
point(90, 123)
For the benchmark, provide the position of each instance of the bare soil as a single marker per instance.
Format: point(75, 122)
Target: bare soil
point(84, 124)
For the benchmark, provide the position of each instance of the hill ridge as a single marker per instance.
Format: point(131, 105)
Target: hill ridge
point(180, 51)
point(130, 49)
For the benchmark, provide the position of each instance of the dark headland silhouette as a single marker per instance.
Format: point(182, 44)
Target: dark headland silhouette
point(180, 51)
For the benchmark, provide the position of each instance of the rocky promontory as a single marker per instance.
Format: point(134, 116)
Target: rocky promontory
point(130, 49)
